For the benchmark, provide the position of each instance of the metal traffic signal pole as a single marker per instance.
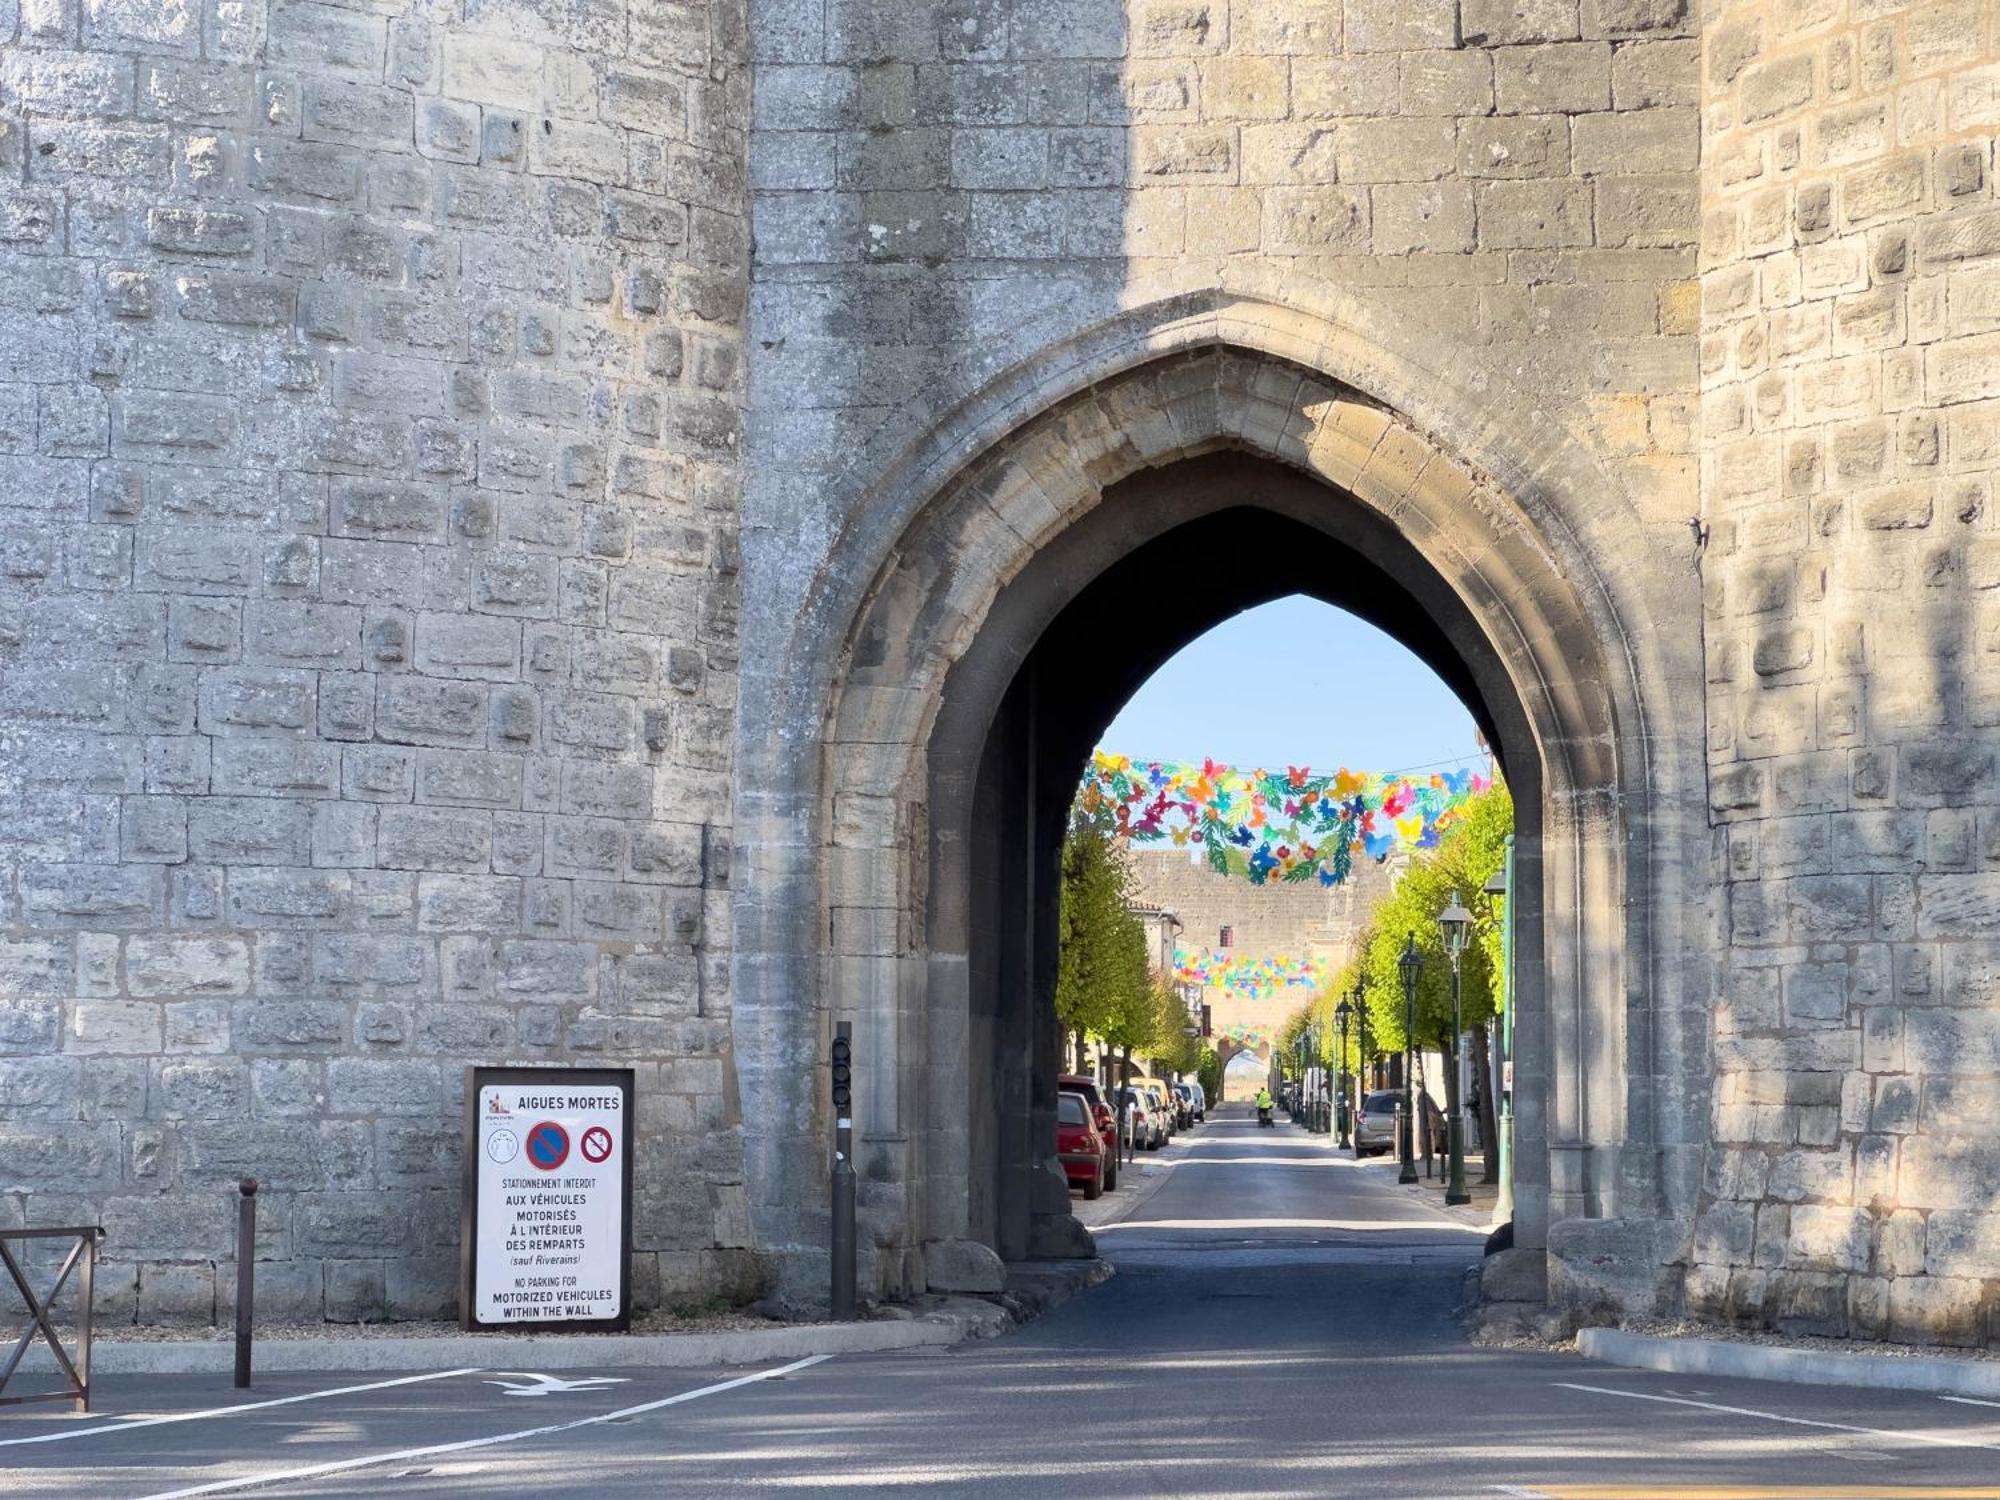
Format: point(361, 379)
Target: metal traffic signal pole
point(843, 1171)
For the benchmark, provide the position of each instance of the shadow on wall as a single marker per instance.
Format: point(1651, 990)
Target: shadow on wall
point(1850, 1187)
point(939, 191)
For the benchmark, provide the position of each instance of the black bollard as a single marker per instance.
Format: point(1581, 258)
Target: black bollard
point(246, 1275)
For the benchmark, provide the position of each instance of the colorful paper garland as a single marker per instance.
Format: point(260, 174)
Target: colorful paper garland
point(1291, 826)
point(1249, 976)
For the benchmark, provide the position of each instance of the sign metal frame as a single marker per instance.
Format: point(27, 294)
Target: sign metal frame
point(478, 1078)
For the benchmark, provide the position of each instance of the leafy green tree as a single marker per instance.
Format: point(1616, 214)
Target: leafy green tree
point(1172, 1048)
point(1208, 1073)
point(1103, 983)
point(1472, 851)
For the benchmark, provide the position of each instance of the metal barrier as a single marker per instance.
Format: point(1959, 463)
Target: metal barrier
point(77, 1373)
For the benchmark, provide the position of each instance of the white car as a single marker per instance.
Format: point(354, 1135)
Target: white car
point(1143, 1119)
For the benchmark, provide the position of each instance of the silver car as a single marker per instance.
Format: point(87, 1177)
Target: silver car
point(1375, 1126)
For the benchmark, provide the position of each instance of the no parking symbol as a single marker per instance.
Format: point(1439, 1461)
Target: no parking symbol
point(548, 1145)
point(596, 1145)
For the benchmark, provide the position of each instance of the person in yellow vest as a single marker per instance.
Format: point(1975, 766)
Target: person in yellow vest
point(1263, 1106)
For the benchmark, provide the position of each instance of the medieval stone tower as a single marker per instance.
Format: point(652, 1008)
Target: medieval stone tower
point(566, 530)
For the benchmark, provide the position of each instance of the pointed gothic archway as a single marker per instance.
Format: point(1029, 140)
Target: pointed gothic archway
point(919, 826)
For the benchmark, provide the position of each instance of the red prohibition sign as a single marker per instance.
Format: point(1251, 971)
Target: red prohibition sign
point(596, 1144)
point(548, 1145)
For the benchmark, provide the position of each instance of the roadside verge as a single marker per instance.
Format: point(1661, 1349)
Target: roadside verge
point(952, 1321)
point(1939, 1374)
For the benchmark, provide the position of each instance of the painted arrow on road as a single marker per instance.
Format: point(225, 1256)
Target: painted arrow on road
point(550, 1385)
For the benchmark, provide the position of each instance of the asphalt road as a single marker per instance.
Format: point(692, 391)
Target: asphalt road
point(1280, 1325)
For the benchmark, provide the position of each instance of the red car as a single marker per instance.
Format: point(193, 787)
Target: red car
point(1078, 1145)
point(1107, 1123)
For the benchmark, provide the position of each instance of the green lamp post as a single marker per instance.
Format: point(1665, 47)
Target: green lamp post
point(1409, 966)
point(1455, 924)
point(1362, 1054)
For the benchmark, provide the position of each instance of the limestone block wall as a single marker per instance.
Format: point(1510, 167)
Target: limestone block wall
point(1298, 919)
point(1851, 260)
point(368, 480)
point(1264, 921)
point(943, 189)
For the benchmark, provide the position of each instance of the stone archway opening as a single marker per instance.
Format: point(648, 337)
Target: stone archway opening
point(1044, 580)
point(1169, 552)
point(1244, 1070)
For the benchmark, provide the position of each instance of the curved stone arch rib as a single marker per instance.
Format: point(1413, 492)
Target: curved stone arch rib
point(1550, 469)
point(1005, 506)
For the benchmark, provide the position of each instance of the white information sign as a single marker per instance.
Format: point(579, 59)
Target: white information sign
point(548, 1233)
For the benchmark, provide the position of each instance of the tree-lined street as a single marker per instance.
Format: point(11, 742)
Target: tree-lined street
point(1281, 1325)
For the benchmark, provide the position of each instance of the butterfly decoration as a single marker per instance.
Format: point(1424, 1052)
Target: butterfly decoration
point(1247, 976)
point(1291, 826)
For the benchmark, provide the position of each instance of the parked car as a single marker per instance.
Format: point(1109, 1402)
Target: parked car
point(1100, 1112)
point(1135, 1119)
point(1200, 1101)
point(1155, 1091)
point(1375, 1125)
point(1148, 1129)
point(1184, 1104)
point(1078, 1145)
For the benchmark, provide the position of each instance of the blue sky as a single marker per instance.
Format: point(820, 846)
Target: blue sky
point(1296, 682)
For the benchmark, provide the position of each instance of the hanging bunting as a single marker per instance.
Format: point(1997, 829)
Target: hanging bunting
point(1292, 826)
point(1245, 1035)
point(1249, 977)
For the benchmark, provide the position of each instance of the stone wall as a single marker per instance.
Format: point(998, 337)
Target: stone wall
point(1265, 921)
point(377, 451)
point(368, 485)
point(944, 188)
point(1851, 261)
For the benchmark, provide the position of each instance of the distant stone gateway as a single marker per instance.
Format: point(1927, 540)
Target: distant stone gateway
point(542, 540)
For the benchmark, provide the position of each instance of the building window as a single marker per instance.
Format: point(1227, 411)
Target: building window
point(1228, 938)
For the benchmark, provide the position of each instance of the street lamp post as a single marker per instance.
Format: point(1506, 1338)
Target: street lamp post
point(1362, 1056)
point(1409, 965)
point(1455, 923)
point(1500, 888)
point(1341, 1013)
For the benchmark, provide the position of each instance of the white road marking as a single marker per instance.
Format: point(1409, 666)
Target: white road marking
point(1969, 1401)
point(550, 1385)
point(129, 1423)
point(1355, 1226)
point(1770, 1416)
point(371, 1460)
